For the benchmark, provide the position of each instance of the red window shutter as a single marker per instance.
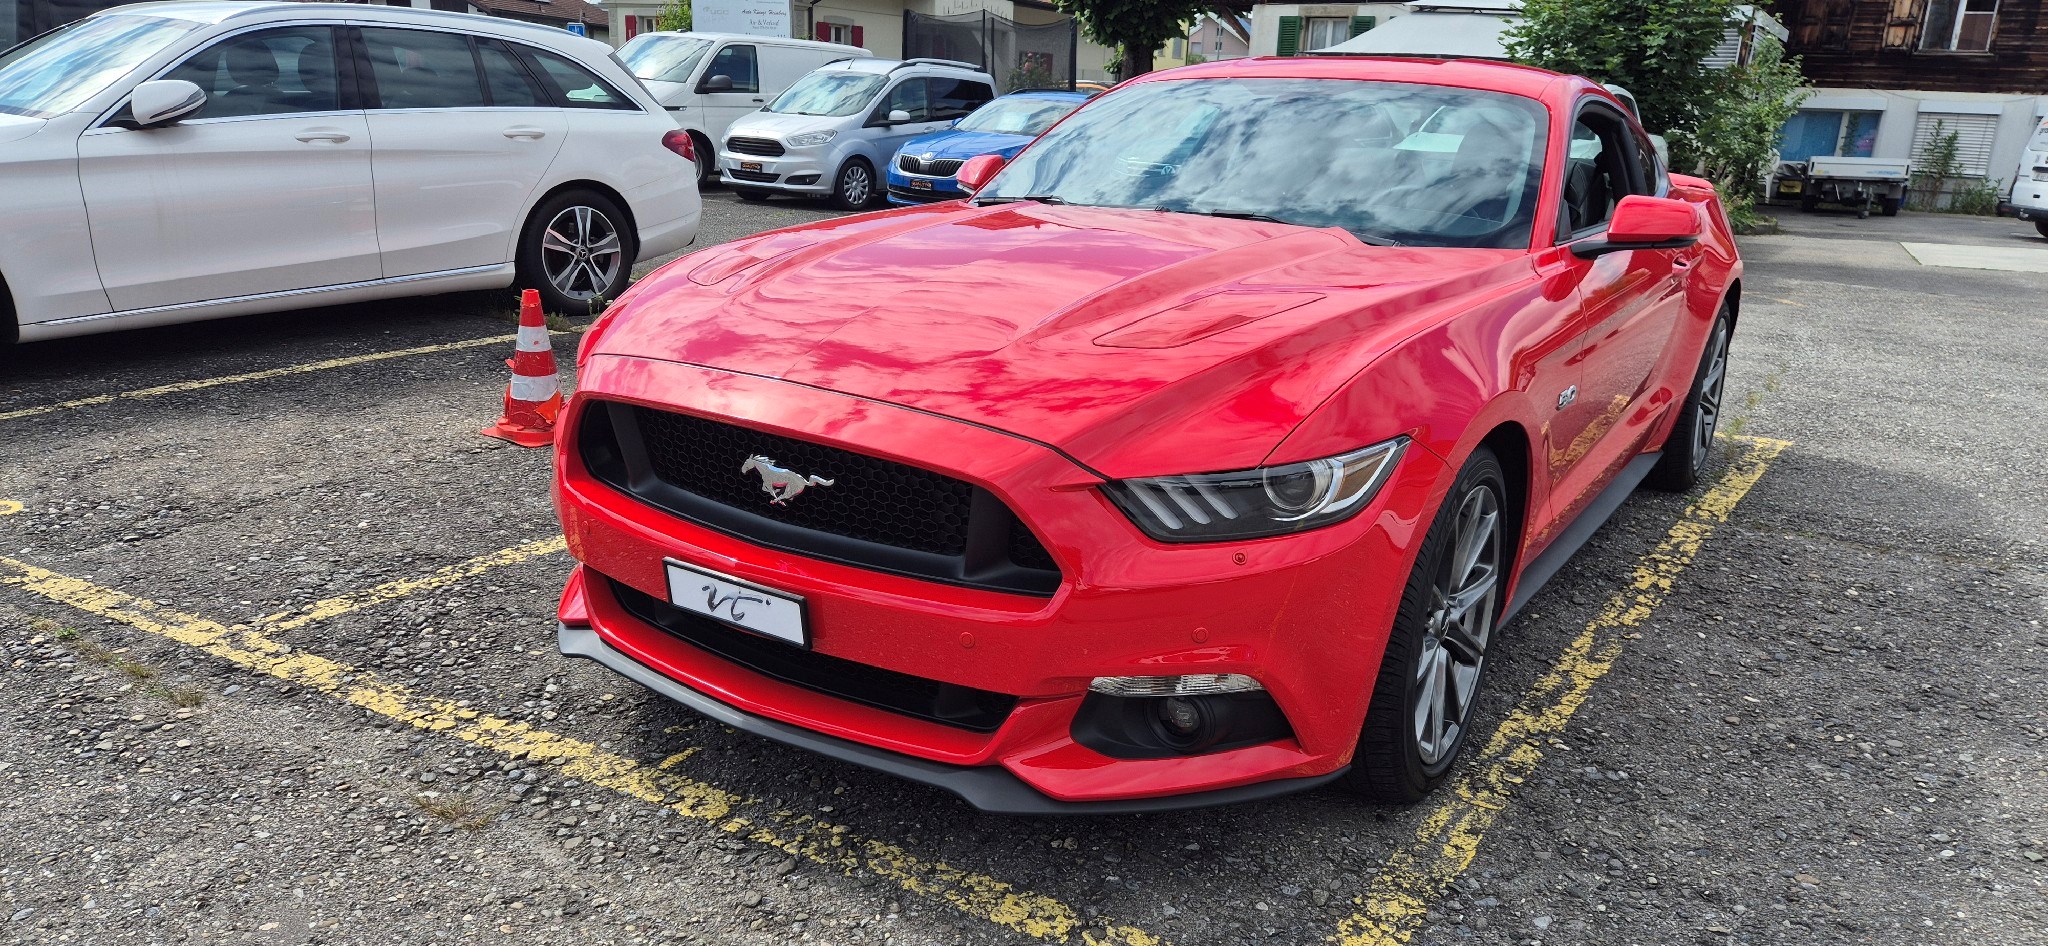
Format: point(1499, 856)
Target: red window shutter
point(859, 36)
point(632, 26)
point(824, 33)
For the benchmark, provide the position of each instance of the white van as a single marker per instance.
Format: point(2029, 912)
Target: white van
point(708, 79)
point(2030, 181)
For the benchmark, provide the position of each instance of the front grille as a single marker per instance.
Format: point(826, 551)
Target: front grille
point(876, 513)
point(930, 700)
point(759, 177)
point(766, 147)
point(922, 197)
point(937, 167)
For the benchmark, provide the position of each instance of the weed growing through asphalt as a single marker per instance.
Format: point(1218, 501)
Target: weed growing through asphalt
point(143, 674)
point(461, 811)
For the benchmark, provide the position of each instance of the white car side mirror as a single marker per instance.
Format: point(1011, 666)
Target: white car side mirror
point(163, 101)
point(898, 116)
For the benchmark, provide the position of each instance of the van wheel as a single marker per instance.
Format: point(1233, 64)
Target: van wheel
point(577, 246)
point(2041, 227)
point(707, 162)
point(855, 188)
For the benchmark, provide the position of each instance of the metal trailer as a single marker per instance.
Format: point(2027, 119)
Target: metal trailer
point(1863, 183)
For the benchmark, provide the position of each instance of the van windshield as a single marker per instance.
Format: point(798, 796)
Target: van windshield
point(59, 71)
point(829, 93)
point(664, 58)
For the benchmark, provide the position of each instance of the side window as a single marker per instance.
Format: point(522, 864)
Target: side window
point(423, 69)
point(1655, 180)
point(268, 72)
point(575, 86)
point(1597, 173)
point(955, 98)
point(509, 83)
point(738, 64)
point(908, 96)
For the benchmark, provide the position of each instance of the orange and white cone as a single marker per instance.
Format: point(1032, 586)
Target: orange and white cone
point(534, 398)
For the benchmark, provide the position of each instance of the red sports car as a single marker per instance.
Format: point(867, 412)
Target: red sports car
point(1197, 458)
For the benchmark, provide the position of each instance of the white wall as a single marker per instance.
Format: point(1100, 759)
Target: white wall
point(1266, 18)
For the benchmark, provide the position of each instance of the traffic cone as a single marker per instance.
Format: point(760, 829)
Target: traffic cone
point(534, 398)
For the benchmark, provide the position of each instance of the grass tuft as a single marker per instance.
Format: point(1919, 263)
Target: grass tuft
point(459, 810)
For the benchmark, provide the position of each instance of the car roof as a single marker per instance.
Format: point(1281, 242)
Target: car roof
point(887, 66)
point(1061, 95)
point(220, 11)
point(1526, 81)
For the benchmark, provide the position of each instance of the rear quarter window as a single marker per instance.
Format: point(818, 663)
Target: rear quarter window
point(573, 86)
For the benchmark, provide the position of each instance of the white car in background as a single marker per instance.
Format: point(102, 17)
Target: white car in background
point(708, 79)
point(168, 162)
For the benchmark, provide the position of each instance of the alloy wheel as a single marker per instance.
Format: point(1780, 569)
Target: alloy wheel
point(580, 252)
point(1712, 380)
point(1460, 626)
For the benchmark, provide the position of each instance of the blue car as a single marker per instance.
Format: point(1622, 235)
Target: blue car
point(924, 167)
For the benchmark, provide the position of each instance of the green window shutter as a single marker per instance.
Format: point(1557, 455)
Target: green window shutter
point(1360, 24)
point(1290, 36)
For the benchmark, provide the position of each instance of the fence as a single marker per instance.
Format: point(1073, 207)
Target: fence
point(1017, 55)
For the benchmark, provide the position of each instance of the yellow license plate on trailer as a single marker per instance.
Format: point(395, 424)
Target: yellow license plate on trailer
point(1791, 187)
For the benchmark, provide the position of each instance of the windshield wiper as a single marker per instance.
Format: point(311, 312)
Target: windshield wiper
point(1038, 198)
point(1371, 239)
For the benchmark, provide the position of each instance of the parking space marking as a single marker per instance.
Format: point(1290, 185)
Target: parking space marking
point(1418, 875)
point(9, 507)
point(976, 895)
point(392, 590)
point(181, 387)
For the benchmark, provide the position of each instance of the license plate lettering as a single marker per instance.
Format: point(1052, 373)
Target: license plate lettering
point(741, 604)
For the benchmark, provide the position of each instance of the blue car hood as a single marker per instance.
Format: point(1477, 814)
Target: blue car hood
point(954, 143)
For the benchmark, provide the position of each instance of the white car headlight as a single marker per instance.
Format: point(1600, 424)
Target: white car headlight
point(1250, 504)
point(810, 139)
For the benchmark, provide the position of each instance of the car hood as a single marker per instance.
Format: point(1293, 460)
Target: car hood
point(17, 127)
point(668, 93)
point(1136, 342)
point(781, 125)
point(953, 143)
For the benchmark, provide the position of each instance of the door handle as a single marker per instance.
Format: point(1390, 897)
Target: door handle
point(525, 131)
point(1682, 262)
point(316, 137)
point(760, 99)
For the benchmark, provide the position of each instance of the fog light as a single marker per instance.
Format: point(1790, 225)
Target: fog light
point(1194, 684)
point(803, 179)
point(1180, 716)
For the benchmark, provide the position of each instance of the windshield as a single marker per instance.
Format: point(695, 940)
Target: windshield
point(664, 58)
point(1017, 116)
point(829, 93)
point(1390, 162)
point(58, 71)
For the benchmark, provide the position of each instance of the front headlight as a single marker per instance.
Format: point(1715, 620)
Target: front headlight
point(812, 138)
point(1250, 504)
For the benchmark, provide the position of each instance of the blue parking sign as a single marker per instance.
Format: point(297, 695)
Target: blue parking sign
point(576, 28)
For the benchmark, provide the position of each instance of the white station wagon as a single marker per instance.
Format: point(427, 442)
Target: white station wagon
point(166, 162)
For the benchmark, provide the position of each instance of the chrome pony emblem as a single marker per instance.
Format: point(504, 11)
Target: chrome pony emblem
point(781, 485)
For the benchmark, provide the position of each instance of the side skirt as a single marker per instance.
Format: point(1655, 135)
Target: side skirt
point(1579, 532)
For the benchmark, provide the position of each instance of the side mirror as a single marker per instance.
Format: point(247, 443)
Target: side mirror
point(716, 84)
point(1644, 223)
point(163, 101)
point(979, 170)
point(898, 116)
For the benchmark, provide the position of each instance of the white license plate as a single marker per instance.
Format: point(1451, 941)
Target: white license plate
point(742, 604)
point(920, 185)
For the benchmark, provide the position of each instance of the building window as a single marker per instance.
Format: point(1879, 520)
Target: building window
point(1962, 26)
point(1828, 134)
point(841, 33)
point(1324, 32)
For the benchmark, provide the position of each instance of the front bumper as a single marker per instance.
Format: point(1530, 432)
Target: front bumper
point(800, 172)
point(909, 189)
point(1306, 615)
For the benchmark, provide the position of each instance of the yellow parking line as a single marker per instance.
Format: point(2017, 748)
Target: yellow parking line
point(392, 590)
point(181, 387)
point(9, 507)
point(977, 895)
point(1418, 875)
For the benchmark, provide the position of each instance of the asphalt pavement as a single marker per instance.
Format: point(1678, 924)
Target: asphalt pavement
point(279, 669)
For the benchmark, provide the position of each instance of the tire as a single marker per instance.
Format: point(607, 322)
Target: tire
point(854, 188)
point(754, 194)
point(707, 161)
point(2041, 227)
point(548, 259)
point(1808, 203)
point(1692, 437)
point(1395, 763)
point(1889, 206)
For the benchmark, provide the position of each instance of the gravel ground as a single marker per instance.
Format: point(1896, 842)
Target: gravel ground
point(1830, 732)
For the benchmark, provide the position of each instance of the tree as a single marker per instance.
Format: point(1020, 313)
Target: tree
point(1736, 140)
point(1136, 28)
point(1656, 49)
point(674, 17)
